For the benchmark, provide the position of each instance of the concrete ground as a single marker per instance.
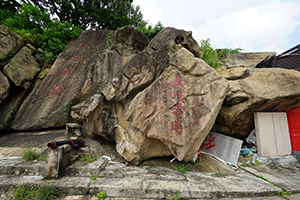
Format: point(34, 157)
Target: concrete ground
point(157, 178)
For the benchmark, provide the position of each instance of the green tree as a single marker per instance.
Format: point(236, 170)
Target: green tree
point(39, 29)
point(150, 31)
point(212, 56)
point(104, 14)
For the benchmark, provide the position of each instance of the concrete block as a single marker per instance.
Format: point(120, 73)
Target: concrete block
point(222, 146)
point(272, 134)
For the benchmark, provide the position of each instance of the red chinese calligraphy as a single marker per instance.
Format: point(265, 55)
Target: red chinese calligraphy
point(207, 143)
point(75, 58)
point(197, 113)
point(67, 72)
point(82, 46)
point(55, 90)
point(178, 94)
point(166, 94)
point(177, 110)
point(177, 126)
point(177, 83)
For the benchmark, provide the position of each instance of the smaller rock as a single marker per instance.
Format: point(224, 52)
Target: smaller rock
point(234, 73)
point(22, 68)
point(10, 43)
point(74, 129)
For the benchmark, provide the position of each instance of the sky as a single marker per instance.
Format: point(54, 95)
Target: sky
point(253, 25)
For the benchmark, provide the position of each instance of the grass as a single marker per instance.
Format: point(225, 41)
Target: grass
point(176, 197)
point(282, 193)
point(182, 168)
point(88, 158)
point(101, 195)
point(94, 177)
point(30, 154)
point(38, 193)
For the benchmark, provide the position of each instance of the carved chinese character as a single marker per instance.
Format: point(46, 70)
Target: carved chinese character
point(177, 110)
point(176, 126)
point(75, 58)
point(67, 72)
point(82, 46)
point(177, 82)
point(55, 90)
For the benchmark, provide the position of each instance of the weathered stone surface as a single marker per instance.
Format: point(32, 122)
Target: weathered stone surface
point(81, 71)
point(141, 71)
point(23, 67)
point(268, 62)
point(266, 90)
point(4, 87)
point(10, 106)
point(249, 60)
point(161, 101)
point(234, 73)
point(9, 42)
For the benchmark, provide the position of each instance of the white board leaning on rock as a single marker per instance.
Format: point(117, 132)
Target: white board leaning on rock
point(222, 146)
point(272, 134)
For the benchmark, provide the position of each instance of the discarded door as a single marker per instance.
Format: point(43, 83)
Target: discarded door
point(272, 134)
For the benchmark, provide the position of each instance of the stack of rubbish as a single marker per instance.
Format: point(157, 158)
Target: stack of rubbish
point(249, 149)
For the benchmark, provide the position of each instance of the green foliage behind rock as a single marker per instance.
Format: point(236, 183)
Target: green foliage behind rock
point(212, 56)
point(38, 29)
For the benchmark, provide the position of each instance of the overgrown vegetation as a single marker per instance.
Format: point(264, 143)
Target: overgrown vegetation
point(213, 56)
point(39, 193)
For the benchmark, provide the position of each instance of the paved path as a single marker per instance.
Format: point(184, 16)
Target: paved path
point(119, 180)
point(151, 182)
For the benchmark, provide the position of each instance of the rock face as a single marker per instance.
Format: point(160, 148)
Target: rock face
point(249, 60)
point(4, 87)
point(9, 42)
point(23, 67)
point(266, 90)
point(234, 73)
point(163, 102)
point(82, 70)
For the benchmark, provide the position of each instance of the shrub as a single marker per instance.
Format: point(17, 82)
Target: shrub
point(212, 56)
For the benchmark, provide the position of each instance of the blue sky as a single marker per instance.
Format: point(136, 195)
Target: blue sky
point(253, 25)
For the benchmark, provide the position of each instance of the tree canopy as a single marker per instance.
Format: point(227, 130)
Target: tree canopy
point(51, 24)
point(96, 14)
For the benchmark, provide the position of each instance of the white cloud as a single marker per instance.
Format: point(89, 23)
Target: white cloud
point(252, 25)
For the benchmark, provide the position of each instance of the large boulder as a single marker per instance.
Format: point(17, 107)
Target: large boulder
point(10, 43)
point(23, 67)
point(249, 60)
point(4, 87)
point(163, 102)
point(265, 90)
point(82, 70)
